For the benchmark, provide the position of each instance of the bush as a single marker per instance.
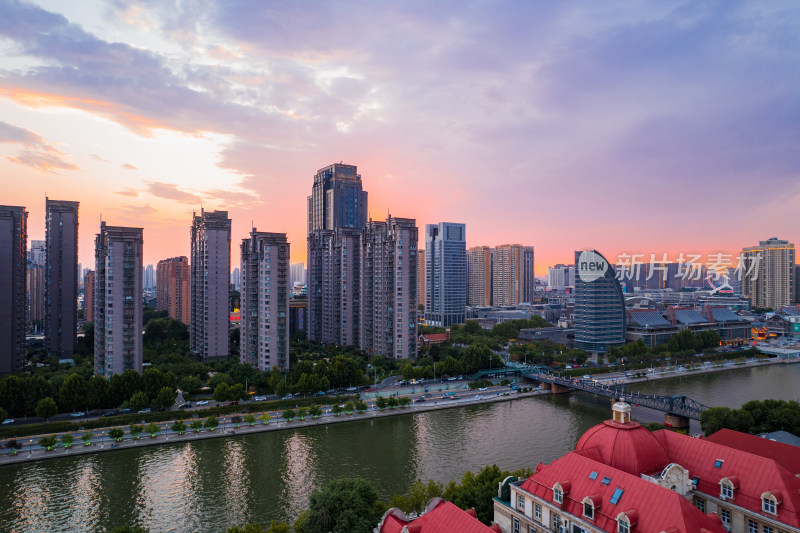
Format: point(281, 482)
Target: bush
point(136, 430)
point(152, 428)
point(288, 415)
point(348, 407)
point(48, 442)
point(116, 434)
point(67, 440)
point(302, 413)
point(211, 423)
point(196, 425)
point(179, 426)
point(393, 402)
point(404, 401)
point(250, 419)
point(87, 437)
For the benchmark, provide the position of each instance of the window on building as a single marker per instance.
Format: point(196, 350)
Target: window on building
point(531, 529)
point(725, 516)
point(701, 504)
point(521, 502)
point(726, 490)
point(537, 512)
point(588, 510)
point(752, 526)
point(515, 526)
point(623, 526)
point(618, 492)
point(718, 463)
point(768, 504)
point(557, 521)
point(768, 529)
point(558, 496)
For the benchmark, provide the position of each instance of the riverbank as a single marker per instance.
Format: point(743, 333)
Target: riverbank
point(31, 451)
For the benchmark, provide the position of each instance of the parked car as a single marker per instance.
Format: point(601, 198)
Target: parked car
point(260, 399)
point(109, 413)
point(8, 421)
point(287, 397)
point(125, 410)
point(419, 399)
point(320, 393)
point(482, 389)
point(145, 410)
point(202, 402)
point(78, 414)
point(184, 405)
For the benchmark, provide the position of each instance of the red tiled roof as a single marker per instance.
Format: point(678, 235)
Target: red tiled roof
point(436, 337)
point(655, 508)
point(628, 447)
point(443, 517)
point(786, 455)
point(756, 474)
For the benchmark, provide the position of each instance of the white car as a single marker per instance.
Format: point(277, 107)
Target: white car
point(260, 398)
point(482, 389)
point(8, 421)
point(203, 402)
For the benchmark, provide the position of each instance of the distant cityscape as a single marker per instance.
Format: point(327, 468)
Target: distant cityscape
point(367, 284)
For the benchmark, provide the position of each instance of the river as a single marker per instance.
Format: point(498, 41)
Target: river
point(210, 485)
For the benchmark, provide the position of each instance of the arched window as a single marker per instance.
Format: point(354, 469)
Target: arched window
point(726, 487)
point(770, 501)
point(590, 505)
point(627, 520)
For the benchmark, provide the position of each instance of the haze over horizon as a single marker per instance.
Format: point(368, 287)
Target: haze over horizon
point(672, 127)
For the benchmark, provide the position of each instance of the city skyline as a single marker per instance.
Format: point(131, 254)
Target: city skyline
point(513, 117)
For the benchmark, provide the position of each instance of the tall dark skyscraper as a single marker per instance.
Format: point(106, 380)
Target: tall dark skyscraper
point(210, 285)
point(599, 304)
point(13, 290)
point(61, 277)
point(337, 212)
point(445, 274)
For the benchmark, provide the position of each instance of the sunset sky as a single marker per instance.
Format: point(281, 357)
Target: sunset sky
point(623, 126)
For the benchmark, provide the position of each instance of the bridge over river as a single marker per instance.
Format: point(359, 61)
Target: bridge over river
point(678, 409)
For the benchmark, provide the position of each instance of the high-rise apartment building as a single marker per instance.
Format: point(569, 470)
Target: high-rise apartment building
point(13, 290)
point(297, 273)
point(599, 313)
point(61, 277)
point(265, 301)
point(421, 279)
point(38, 252)
point(236, 278)
point(210, 285)
point(172, 283)
point(118, 289)
point(337, 212)
point(149, 280)
point(36, 274)
point(479, 271)
point(512, 274)
point(560, 277)
point(445, 273)
point(388, 294)
point(88, 296)
point(768, 273)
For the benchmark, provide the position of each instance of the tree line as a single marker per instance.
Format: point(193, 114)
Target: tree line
point(754, 417)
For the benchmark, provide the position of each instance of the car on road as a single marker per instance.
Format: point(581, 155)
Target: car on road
point(125, 410)
point(320, 393)
point(202, 402)
point(453, 378)
point(587, 376)
point(260, 399)
point(8, 421)
point(482, 389)
point(460, 377)
point(78, 414)
point(145, 410)
point(109, 413)
point(287, 397)
point(234, 402)
point(182, 406)
point(419, 399)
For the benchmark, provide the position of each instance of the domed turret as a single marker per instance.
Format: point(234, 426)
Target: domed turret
point(624, 444)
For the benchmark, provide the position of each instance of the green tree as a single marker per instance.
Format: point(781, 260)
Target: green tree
point(190, 385)
point(196, 425)
point(165, 397)
point(236, 392)
point(116, 434)
point(153, 380)
point(222, 392)
point(3, 414)
point(97, 392)
point(274, 527)
point(136, 430)
point(179, 426)
point(250, 420)
point(315, 411)
point(361, 406)
point(87, 438)
point(477, 491)
point(265, 418)
point(67, 440)
point(715, 418)
point(349, 407)
point(72, 393)
point(139, 401)
point(46, 408)
point(336, 409)
point(404, 401)
point(11, 395)
point(211, 423)
point(302, 413)
point(381, 402)
point(152, 429)
point(288, 415)
point(342, 505)
point(48, 442)
point(418, 496)
point(392, 402)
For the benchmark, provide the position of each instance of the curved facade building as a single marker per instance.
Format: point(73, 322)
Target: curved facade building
point(599, 304)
